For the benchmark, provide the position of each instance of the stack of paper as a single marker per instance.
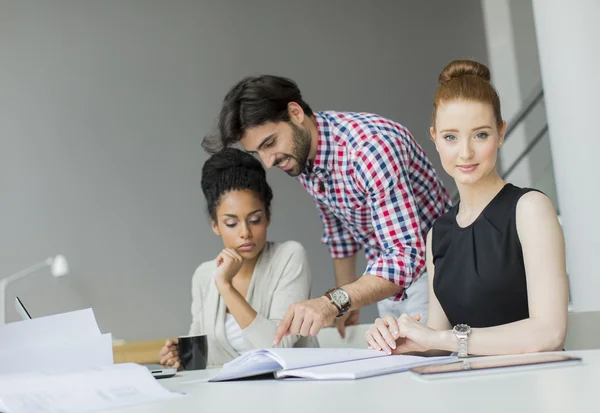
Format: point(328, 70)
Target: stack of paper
point(62, 363)
point(360, 369)
point(320, 363)
point(263, 361)
point(58, 343)
point(83, 391)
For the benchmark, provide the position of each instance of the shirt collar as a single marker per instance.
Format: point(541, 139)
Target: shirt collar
point(324, 155)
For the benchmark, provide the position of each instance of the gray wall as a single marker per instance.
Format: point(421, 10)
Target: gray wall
point(103, 105)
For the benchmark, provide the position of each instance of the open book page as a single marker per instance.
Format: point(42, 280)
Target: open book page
point(263, 361)
point(359, 369)
point(84, 391)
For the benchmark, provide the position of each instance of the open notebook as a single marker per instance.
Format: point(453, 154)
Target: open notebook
point(320, 364)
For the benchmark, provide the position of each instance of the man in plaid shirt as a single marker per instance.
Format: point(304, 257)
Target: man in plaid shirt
point(373, 186)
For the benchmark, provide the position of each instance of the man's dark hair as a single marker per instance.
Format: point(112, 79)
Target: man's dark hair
point(234, 170)
point(254, 101)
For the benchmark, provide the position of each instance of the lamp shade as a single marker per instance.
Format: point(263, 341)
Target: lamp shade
point(59, 266)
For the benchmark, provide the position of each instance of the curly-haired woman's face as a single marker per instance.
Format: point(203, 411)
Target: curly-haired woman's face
point(242, 223)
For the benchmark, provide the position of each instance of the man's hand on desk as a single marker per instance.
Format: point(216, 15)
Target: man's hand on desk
point(169, 356)
point(306, 318)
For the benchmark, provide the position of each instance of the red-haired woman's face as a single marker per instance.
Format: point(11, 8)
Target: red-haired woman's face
point(467, 137)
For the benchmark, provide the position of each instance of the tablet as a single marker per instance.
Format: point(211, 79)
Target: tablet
point(494, 364)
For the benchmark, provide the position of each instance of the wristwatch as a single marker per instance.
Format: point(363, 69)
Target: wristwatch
point(462, 332)
point(340, 299)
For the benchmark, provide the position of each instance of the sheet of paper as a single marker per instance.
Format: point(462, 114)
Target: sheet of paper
point(57, 358)
point(85, 391)
point(52, 329)
point(359, 369)
point(263, 361)
point(54, 344)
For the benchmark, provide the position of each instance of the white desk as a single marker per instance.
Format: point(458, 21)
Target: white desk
point(565, 389)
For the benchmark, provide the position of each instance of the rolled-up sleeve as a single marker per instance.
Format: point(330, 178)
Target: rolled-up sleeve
point(380, 172)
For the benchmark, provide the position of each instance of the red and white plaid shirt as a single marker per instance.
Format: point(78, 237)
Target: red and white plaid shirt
point(374, 188)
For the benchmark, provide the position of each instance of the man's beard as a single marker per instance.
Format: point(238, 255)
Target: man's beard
point(301, 148)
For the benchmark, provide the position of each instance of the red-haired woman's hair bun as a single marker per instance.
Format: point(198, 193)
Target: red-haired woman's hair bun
point(466, 80)
point(460, 68)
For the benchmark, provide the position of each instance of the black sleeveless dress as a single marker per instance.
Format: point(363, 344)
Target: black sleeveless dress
point(479, 275)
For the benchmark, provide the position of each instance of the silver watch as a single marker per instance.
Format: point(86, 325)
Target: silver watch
point(462, 332)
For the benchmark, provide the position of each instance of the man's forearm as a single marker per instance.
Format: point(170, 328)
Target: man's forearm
point(344, 270)
point(369, 289)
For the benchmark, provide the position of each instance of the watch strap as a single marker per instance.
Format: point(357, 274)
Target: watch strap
point(462, 346)
point(341, 309)
point(462, 332)
point(328, 295)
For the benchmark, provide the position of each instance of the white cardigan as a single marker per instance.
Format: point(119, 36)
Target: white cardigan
point(281, 277)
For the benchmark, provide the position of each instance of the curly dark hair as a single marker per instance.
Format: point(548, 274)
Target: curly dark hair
point(233, 170)
point(254, 101)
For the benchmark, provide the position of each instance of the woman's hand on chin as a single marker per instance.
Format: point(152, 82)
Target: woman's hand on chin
point(229, 263)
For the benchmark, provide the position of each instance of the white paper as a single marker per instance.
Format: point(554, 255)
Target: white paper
point(54, 344)
point(264, 361)
point(359, 369)
point(52, 329)
point(57, 358)
point(84, 391)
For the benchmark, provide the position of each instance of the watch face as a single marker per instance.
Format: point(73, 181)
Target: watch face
point(340, 297)
point(462, 329)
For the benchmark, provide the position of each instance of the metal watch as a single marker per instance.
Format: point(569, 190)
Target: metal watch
point(462, 332)
point(340, 299)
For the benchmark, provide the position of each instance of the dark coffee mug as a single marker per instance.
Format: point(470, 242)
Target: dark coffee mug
point(193, 352)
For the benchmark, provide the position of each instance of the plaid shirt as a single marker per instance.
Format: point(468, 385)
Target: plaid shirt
point(374, 188)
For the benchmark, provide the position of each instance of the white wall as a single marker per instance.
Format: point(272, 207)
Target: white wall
point(103, 106)
point(570, 62)
point(501, 45)
point(514, 63)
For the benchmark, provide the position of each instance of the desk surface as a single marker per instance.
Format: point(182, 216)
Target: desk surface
point(562, 389)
